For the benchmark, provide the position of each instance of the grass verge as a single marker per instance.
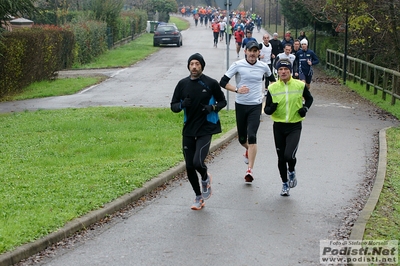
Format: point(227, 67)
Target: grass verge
point(125, 55)
point(384, 222)
point(182, 24)
point(58, 87)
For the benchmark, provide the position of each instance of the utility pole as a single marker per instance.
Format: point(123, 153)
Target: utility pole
point(345, 47)
point(228, 26)
point(269, 14)
point(276, 16)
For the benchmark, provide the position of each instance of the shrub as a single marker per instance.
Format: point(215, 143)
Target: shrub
point(137, 18)
point(90, 39)
point(30, 55)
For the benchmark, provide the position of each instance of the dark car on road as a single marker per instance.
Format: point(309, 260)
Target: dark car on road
point(167, 34)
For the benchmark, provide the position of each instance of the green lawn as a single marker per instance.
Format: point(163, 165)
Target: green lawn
point(125, 55)
point(58, 87)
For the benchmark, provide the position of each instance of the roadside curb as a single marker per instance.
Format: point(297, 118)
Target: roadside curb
point(357, 232)
point(29, 249)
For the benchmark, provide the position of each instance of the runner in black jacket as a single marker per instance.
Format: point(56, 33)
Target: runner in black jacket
point(277, 48)
point(200, 97)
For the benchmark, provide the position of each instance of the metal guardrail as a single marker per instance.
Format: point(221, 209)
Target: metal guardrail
point(379, 78)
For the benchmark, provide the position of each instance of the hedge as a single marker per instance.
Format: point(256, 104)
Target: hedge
point(30, 55)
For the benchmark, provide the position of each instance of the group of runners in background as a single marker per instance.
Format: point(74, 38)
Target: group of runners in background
point(241, 24)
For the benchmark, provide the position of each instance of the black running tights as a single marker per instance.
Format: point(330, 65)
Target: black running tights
point(287, 137)
point(195, 151)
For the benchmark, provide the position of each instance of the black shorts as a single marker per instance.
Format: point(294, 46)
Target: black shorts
point(306, 78)
point(247, 122)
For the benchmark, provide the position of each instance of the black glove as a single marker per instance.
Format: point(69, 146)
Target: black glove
point(207, 108)
point(273, 107)
point(302, 111)
point(269, 110)
point(186, 102)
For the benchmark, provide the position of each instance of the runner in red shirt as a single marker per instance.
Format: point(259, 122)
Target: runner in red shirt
point(215, 28)
point(196, 19)
point(239, 35)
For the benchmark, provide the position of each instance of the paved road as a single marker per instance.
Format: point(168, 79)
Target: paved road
point(241, 224)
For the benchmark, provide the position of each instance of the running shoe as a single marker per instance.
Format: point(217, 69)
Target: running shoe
point(249, 176)
point(292, 179)
point(198, 203)
point(206, 187)
point(246, 157)
point(285, 189)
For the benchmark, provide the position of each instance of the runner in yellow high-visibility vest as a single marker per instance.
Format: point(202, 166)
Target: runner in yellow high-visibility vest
point(288, 101)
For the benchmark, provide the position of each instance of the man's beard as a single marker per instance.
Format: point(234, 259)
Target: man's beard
point(195, 74)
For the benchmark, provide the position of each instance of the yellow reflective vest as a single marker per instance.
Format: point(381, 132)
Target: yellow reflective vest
point(289, 97)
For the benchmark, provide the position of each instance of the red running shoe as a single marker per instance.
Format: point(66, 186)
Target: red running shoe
point(249, 176)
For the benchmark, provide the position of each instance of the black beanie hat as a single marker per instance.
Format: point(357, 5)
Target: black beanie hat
point(283, 63)
point(199, 58)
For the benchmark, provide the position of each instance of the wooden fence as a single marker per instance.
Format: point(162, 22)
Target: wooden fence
point(379, 78)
